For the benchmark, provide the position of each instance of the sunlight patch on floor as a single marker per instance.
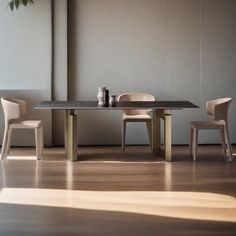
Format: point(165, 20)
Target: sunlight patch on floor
point(10, 157)
point(184, 205)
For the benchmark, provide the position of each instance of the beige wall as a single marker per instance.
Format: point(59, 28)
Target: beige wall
point(25, 62)
point(174, 49)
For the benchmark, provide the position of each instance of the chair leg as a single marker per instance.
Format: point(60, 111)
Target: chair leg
point(191, 141)
point(4, 143)
point(226, 131)
point(149, 130)
point(123, 135)
point(41, 137)
point(195, 143)
point(222, 134)
point(9, 141)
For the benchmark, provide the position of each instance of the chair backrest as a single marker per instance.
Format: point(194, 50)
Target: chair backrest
point(13, 109)
point(136, 97)
point(219, 108)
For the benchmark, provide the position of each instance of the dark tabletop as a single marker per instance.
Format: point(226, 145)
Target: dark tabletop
point(93, 105)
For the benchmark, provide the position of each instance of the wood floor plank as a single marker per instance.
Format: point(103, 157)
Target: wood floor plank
point(113, 193)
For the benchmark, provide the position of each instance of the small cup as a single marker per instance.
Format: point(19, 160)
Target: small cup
point(112, 100)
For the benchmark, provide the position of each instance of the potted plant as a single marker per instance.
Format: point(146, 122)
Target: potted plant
point(16, 3)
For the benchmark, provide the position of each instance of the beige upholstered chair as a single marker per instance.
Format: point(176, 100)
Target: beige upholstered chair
point(14, 111)
point(136, 115)
point(218, 108)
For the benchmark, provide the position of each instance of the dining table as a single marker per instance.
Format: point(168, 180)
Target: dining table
point(161, 110)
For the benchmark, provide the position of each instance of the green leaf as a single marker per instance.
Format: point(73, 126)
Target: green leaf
point(17, 3)
point(25, 2)
point(12, 5)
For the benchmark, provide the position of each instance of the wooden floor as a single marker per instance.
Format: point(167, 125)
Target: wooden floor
point(111, 193)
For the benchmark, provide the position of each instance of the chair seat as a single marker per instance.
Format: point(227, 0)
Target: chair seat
point(208, 124)
point(141, 117)
point(26, 124)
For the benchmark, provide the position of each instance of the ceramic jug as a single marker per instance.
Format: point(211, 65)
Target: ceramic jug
point(100, 96)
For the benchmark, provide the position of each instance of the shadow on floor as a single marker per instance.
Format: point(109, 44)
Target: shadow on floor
point(22, 220)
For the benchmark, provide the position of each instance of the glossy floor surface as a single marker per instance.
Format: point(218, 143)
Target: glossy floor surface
point(113, 193)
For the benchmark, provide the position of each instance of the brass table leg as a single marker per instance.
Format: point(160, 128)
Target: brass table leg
point(71, 135)
point(156, 129)
point(167, 137)
point(156, 132)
